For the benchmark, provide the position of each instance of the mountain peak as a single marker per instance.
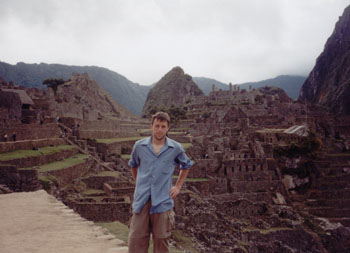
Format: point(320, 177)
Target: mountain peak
point(175, 88)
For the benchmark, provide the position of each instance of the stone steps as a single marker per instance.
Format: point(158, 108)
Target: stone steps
point(27, 217)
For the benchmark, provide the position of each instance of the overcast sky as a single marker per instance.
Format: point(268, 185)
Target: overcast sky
point(228, 40)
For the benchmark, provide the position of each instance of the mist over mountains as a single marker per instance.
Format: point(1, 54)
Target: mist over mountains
point(129, 94)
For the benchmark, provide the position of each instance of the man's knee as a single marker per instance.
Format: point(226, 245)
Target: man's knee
point(138, 245)
point(161, 245)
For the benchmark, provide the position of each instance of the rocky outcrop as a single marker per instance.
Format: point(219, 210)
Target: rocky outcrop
point(83, 98)
point(174, 89)
point(329, 82)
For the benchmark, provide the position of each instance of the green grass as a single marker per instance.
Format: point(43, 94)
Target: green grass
point(115, 140)
point(93, 191)
point(32, 153)
point(176, 133)
point(183, 129)
point(186, 145)
point(145, 130)
point(47, 180)
point(184, 241)
point(125, 156)
point(106, 173)
point(66, 163)
point(120, 230)
point(202, 179)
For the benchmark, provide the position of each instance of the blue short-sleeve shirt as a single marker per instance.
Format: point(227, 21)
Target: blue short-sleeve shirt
point(154, 173)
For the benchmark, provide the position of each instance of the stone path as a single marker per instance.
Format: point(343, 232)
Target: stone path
point(37, 222)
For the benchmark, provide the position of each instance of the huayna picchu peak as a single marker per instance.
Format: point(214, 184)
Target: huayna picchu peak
point(174, 89)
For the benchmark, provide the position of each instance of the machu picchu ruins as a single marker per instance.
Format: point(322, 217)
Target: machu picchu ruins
point(271, 174)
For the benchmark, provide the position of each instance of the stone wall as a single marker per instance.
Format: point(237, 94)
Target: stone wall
point(30, 131)
point(96, 182)
point(4, 115)
point(12, 102)
point(113, 148)
point(19, 180)
point(102, 212)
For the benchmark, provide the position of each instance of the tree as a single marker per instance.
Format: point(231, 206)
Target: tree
point(53, 83)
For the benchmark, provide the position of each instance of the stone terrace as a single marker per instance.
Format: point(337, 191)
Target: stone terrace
point(330, 195)
point(37, 222)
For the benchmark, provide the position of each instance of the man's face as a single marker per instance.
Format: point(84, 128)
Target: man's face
point(159, 129)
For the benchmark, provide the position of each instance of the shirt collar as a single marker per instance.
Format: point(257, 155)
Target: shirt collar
point(148, 142)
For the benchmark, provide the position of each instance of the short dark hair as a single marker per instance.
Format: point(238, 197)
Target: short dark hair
point(161, 116)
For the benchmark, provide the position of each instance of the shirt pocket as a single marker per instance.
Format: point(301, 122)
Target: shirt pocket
point(167, 166)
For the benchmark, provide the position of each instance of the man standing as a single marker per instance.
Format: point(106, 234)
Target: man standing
point(152, 163)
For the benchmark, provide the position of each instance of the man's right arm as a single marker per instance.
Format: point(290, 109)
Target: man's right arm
point(134, 173)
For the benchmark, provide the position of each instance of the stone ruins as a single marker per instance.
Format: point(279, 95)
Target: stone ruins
point(270, 174)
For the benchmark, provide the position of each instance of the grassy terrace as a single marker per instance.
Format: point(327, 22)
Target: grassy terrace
point(108, 174)
point(115, 140)
point(93, 191)
point(32, 153)
point(66, 163)
point(186, 145)
point(202, 179)
point(126, 156)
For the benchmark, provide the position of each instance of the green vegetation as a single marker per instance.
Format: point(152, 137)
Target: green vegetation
point(176, 113)
point(184, 241)
point(176, 133)
point(120, 230)
point(93, 192)
point(31, 153)
point(114, 140)
point(126, 156)
point(53, 83)
point(116, 228)
point(106, 173)
point(46, 181)
point(306, 150)
point(201, 179)
point(186, 145)
point(66, 163)
point(311, 224)
point(308, 145)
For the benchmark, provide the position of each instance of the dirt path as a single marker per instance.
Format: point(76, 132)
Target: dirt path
point(36, 222)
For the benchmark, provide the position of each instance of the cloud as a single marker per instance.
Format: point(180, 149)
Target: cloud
point(232, 41)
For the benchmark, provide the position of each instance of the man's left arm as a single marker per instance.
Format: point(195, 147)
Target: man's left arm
point(175, 190)
point(185, 164)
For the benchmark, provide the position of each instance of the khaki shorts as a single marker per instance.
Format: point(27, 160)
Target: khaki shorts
point(144, 223)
